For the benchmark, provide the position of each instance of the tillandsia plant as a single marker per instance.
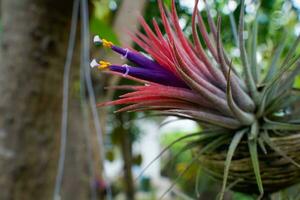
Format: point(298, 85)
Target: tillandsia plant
point(250, 121)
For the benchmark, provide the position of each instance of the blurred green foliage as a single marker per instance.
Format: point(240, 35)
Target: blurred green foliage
point(240, 196)
point(195, 180)
point(102, 19)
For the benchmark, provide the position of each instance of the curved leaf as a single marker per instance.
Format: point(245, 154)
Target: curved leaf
point(209, 147)
point(273, 67)
point(268, 140)
point(233, 146)
point(252, 144)
point(248, 74)
point(273, 125)
point(243, 117)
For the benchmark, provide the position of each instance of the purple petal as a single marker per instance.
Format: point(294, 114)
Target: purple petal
point(137, 58)
point(157, 76)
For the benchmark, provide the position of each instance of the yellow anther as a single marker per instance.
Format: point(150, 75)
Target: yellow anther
point(104, 65)
point(107, 43)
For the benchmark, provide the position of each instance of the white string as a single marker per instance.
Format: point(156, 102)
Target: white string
point(64, 122)
point(85, 39)
point(126, 54)
point(127, 70)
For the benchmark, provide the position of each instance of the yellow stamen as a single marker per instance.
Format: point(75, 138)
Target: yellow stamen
point(104, 65)
point(107, 43)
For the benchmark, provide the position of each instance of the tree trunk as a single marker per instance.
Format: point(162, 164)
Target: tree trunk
point(126, 151)
point(33, 50)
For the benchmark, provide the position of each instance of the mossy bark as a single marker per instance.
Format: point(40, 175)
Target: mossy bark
point(33, 50)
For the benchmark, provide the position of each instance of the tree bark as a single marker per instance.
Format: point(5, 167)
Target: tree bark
point(33, 50)
point(126, 151)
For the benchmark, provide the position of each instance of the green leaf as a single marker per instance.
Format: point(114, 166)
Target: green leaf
point(233, 146)
point(283, 101)
point(248, 74)
point(276, 104)
point(164, 150)
point(213, 138)
point(234, 28)
point(274, 125)
point(273, 67)
point(209, 147)
point(288, 81)
point(254, 131)
point(177, 179)
point(291, 52)
point(242, 98)
point(253, 59)
point(268, 140)
point(243, 117)
point(252, 144)
point(262, 145)
point(282, 71)
point(263, 104)
point(273, 83)
point(216, 138)
point(202, 136)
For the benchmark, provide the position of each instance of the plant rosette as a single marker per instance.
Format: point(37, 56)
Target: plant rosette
point(250, 120)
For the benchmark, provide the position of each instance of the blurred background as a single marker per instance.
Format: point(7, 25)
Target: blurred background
point(55, 143)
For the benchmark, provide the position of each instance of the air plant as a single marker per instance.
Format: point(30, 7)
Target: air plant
point(250, 124)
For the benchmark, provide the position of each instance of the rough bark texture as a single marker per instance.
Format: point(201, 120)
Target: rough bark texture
point(33, 49)
point(126, 150)
point(76, 174)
